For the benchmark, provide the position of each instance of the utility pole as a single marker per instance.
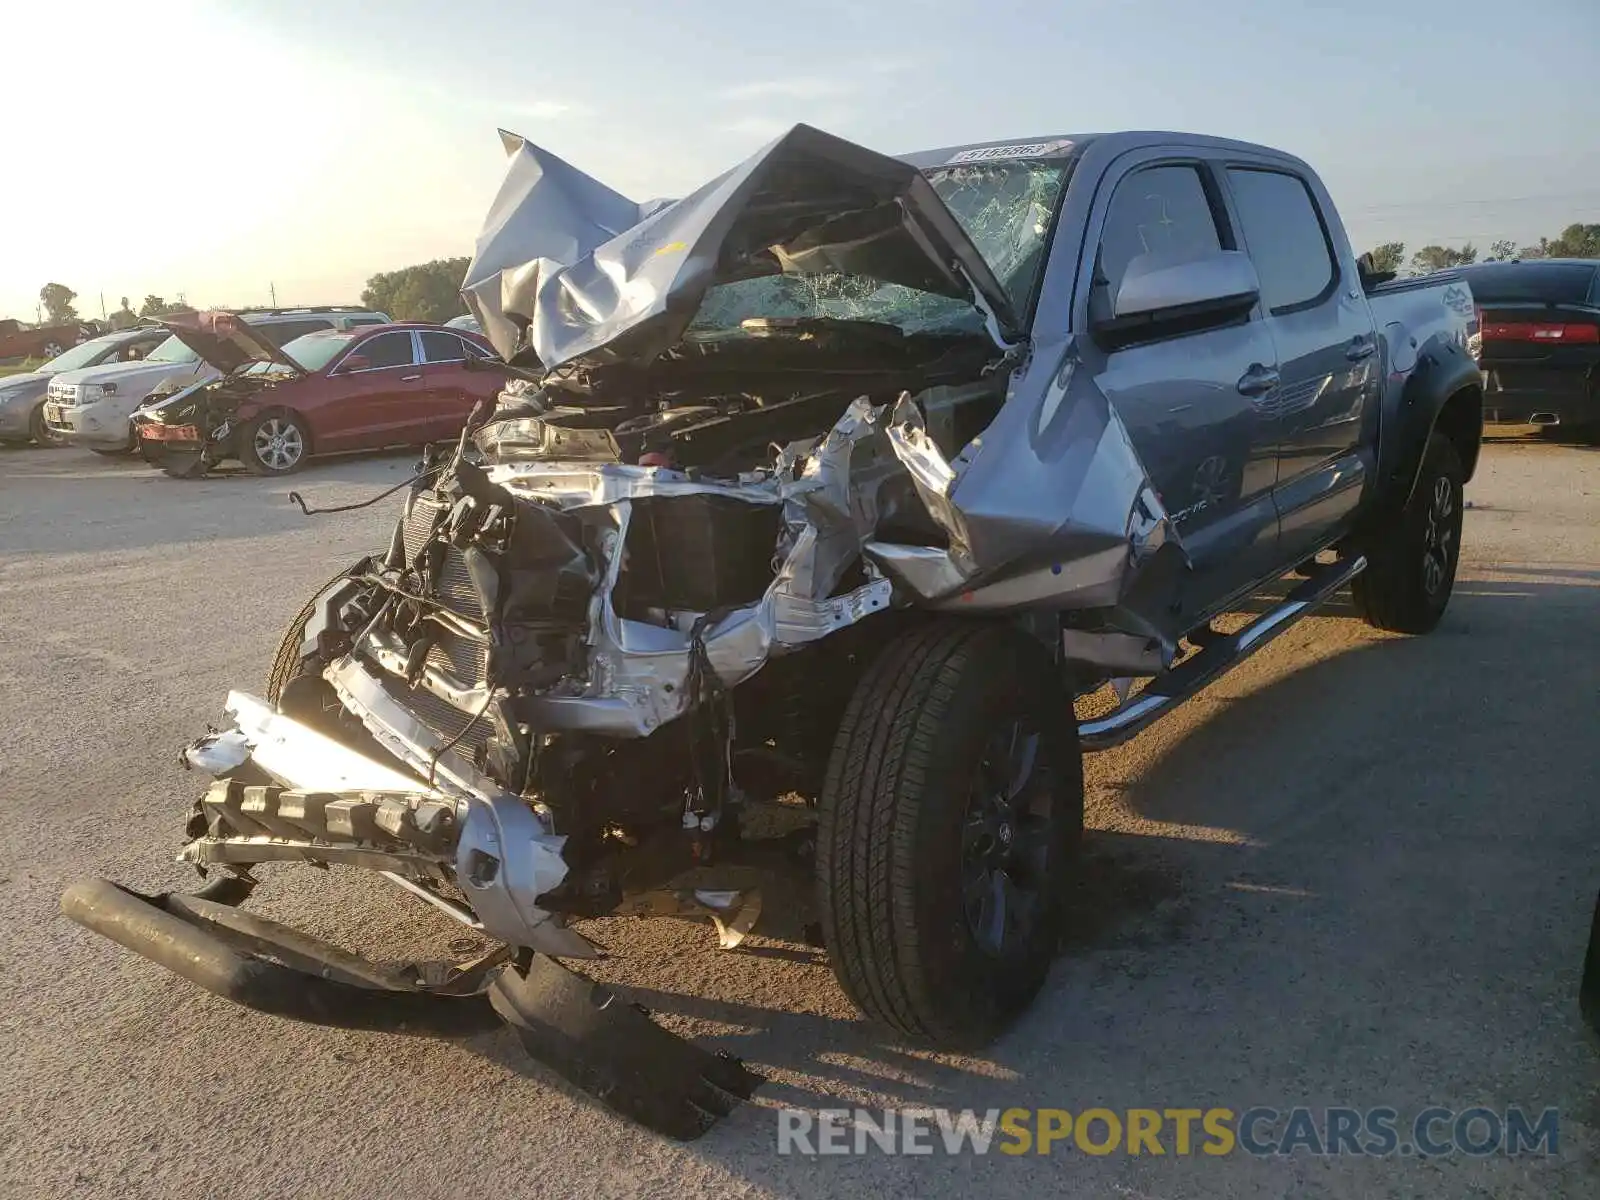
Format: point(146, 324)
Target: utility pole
point(273, 288)
point(102, 306)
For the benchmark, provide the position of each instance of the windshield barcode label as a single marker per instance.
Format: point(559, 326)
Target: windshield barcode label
point(1025, 150)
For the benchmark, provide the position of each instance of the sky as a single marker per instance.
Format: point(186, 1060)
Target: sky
point(221, 149)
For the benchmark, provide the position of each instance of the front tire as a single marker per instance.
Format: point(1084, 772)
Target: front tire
point(275, 443)
point(41, 433)
point(1411, 563)
point(949, 820)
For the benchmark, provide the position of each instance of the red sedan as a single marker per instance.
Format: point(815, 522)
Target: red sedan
point(325, 393)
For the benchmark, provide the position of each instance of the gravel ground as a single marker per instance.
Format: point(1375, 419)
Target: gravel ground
point(1357, 871)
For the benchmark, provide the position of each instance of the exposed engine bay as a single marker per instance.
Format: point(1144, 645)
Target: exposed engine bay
point(617, 643)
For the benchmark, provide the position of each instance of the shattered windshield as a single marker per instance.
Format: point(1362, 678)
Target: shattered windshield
point(1006, 208)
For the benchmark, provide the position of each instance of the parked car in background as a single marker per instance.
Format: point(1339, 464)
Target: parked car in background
point(1540, 322)
point(326, 392)
point(92, 407)
point(22, 396)
point(40, 341)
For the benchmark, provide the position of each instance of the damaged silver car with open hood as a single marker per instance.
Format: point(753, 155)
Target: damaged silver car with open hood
point(820, 495)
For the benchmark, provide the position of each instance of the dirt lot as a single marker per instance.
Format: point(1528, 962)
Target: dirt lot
point(1356, 872)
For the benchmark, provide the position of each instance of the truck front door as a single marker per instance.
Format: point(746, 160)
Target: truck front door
point(1325, 403)
point(1187, 398)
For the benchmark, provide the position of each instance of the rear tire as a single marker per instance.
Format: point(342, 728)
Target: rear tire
point(1411, 563)
point(949, 819)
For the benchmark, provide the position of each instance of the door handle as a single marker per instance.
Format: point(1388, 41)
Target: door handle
point(1359, 348)
point(1258, 380)
point(409, 378)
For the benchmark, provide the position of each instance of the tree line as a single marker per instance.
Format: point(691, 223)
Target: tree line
point(57, 301)
point(431, 291)
point(1576, 241)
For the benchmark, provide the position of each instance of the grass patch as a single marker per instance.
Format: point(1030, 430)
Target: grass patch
point(21, 368)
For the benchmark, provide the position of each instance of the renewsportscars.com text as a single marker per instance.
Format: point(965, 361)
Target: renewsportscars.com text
point(1379, 1132)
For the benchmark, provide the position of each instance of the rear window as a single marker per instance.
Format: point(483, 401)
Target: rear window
point(441, 347)
point(1531, 283)
point(1287, 241)
point(280, 333)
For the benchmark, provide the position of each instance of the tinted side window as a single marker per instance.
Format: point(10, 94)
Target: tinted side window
point(387, 350)
point(282, 332)
point(1162, 213)
point(1287, 242)
point(442, 347)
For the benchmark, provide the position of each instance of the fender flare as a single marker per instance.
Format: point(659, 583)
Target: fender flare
point(1444, 376)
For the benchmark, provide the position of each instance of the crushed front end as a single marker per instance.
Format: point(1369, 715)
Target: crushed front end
point(600, 667)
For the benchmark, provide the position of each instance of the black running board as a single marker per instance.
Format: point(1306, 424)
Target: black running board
point(580, 1029)
point(1219, 657)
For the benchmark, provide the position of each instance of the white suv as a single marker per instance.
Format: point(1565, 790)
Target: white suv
point(92, 407)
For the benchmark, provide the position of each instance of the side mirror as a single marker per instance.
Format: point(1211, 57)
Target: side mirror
point(1221, 283)
point(354, 362)
point(1368, 270)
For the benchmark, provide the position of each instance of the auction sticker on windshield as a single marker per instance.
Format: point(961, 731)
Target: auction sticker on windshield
point(1014, 150)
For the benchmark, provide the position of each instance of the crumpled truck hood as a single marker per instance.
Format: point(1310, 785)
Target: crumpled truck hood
point(570, 269)
point(226, 341)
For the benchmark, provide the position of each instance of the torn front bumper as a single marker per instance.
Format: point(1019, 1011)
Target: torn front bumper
point(338, 805)
point(578, 1028)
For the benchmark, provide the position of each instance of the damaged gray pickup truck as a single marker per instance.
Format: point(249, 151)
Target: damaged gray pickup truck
point(822, 494)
